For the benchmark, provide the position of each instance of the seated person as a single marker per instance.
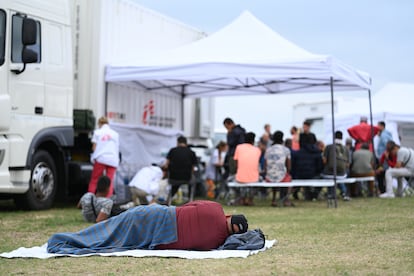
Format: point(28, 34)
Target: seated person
point(197, 225)
point(277, 158)
point(145, 185)
point(363, 161)
point(404, 167)
point(386, 161)
point(96, 208)
point(247, 158)
point(307, 164)
point(342, 164)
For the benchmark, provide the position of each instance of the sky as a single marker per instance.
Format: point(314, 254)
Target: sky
point(375, 36)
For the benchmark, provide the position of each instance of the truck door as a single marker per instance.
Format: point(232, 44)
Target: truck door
point(26, 87)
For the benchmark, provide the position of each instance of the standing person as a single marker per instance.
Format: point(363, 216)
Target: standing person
point(105, 156)
point(247, 157)
point(278, 166)
point(235, 136)
point(214, 166)
point(383, 137)
point(307, 137)
point(363, 162)
point(403, 167)
point(267, 136)
point(180, 164)
point(342, 164)
point(363, 133)
point(295, 138)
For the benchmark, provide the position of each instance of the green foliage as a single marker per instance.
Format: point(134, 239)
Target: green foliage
point(360, 237)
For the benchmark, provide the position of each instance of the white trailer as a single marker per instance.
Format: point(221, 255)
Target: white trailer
point(316, 111)
point(52, 60)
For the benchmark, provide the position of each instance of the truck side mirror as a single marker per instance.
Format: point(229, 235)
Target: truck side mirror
point(29, 36)
point(29, 31)
point(28, 56)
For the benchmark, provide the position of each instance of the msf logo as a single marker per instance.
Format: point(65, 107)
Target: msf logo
point(148, 112)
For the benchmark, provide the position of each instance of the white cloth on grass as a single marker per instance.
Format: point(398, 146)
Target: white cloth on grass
point(40, 252)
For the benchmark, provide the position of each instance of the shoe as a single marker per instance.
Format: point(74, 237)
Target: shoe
point(127, 205)
point(346, 198)
point(248, 202)
point(288, 203)
point(386, 195)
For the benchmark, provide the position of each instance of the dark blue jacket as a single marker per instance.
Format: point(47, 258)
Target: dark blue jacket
point(306, 162)
point(234, 138)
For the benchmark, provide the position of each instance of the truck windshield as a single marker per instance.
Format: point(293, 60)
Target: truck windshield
point(2, 35)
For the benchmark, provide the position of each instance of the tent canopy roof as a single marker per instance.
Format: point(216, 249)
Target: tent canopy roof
point(245, 57)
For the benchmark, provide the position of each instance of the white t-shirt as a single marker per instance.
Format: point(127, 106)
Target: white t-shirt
point(107, 146)
point(211, 167)
point(148, 179)
point(406, 157)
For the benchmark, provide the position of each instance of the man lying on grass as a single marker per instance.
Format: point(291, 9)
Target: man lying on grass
point(197, 225)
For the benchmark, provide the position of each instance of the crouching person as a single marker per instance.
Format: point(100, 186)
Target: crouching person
point(147, 185)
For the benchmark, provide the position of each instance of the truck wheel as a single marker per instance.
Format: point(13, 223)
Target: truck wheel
point(43, 183)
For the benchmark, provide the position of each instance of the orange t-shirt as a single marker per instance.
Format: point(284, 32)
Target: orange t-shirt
point(247, 157)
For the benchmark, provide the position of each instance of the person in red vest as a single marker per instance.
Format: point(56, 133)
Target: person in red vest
point(363, 133)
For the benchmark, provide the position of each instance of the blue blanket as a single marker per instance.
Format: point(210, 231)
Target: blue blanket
point(141, 227)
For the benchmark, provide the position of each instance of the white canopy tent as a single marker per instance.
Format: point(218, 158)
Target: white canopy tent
point(390, 104)
point(244, 58)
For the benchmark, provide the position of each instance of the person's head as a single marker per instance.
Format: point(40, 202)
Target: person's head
point(249, 137)
point(338, 134)
point(221, 146)
point(365, 146)
point(293, 130)
point(181, 140)
point(102, 121)
point(277, 137)
point(363, 119)
point(262, 145)
point(321, 145)
point(238, 224)
point(288, 143)
point(267, 128)
point(392, 147)
point(104, 182)
point(306, 126)
point(228, 124)
point(381, 125)
point(265, 137)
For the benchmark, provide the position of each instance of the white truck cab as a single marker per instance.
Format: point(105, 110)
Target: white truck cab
point(35, 99)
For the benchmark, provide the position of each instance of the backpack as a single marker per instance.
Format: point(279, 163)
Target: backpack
point(250, 240)
point(341, 158)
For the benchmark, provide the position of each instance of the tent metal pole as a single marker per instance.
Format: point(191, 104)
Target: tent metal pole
point(372, 126)
point(182, 106)
point(334, 152)
point(106, 99)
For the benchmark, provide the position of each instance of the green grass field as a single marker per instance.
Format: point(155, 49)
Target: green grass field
point(367, 236)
